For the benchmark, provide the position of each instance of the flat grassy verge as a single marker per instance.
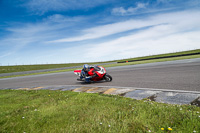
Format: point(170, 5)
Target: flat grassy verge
point(66, 111)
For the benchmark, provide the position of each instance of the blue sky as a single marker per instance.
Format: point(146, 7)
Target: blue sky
point(69, 31)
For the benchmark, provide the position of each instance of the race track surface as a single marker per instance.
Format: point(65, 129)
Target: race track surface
point(173, 75)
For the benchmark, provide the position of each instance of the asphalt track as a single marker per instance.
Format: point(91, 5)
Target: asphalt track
point(171, 75)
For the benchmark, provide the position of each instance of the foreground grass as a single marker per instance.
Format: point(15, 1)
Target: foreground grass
point(65, 111)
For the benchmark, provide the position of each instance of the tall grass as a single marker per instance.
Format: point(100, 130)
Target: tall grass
point(65, 111)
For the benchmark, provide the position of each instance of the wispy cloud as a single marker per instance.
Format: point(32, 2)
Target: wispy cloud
point(28, 40)
point(181, 32)
point(58, 18)
point(137, 48)
point(26, 37)
point(168, 32)
point(54, 33)
point(43, 6)
point(132, 46)
point(105, 30)
point(155, 7)
point(110, 29)
point(130, 10)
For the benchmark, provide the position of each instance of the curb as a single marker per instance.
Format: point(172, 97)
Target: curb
point(157, 95)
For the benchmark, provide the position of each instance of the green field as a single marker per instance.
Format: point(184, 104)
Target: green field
point(163, 55)
point(9, 69)
point(154, 60)
point(65, 111)
point(21, 68)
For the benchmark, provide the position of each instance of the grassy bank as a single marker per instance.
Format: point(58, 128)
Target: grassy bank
point(197, 51)
point(65, 111)
point(154, 60)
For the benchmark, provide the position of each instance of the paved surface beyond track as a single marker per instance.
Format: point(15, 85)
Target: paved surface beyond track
point(173, 75)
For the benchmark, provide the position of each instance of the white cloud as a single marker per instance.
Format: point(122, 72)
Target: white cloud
point(119, 10)
point(169, 32)
point(25, 36)
point(105, 30)
point(26, 42)
point(178, 31)
point(130, 10)
point(152, 41)
point(180, 19)
point(58, 18)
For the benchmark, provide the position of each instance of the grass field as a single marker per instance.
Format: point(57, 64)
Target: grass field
point(65, 111)
point(154, 60)
point(112, 65)
point(163, 55)
point(20, 68)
